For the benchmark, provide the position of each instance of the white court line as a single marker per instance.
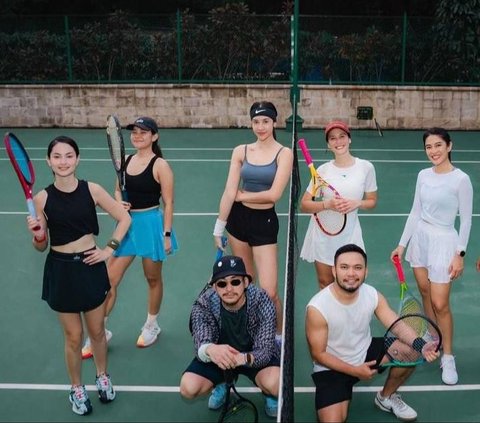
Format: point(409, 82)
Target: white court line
point(176, 389)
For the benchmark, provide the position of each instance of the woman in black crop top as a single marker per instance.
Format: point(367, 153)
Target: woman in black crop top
point(75, 280)
point(258, 175)
point(149, 178)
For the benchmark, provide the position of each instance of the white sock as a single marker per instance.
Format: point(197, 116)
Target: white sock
point(152, 318)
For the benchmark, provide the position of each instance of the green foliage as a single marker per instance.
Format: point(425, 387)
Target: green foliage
point(232, 44)
point(457, 38)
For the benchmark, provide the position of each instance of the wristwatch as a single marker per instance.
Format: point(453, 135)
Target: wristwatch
point(167, 234)
point(461, 253)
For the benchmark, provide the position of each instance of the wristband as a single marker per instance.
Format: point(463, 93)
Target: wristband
point(202, 353)
point(418, 344)
point(167, 234)
point(113, 244)
point(219, 227)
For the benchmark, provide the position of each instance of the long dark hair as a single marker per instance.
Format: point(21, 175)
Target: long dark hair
point(156, 148)
point(439, 132)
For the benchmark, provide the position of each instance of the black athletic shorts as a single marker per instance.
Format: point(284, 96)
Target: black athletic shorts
point(333, 387)
point(215, 374)
point(71, 286)
point(257, 227)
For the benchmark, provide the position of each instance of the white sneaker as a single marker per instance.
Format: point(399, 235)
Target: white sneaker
point(394, 404)
point(87, 346)
point(149, 335)
point(449, 371)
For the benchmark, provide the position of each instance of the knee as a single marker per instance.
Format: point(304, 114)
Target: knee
point(187, 390)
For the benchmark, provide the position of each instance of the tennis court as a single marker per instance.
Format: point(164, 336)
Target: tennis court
point(33, 379)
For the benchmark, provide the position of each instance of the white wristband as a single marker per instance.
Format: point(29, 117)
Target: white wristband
point(219, 227)
point(202, 353)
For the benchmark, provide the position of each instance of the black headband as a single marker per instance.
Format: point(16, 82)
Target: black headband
point(263, 111)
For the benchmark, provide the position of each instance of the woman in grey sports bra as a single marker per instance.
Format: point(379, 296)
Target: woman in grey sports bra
point(258, 175)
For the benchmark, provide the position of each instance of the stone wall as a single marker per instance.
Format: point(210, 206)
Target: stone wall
point(224, 106)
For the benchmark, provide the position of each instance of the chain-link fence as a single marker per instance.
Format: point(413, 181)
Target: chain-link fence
point(229, 47)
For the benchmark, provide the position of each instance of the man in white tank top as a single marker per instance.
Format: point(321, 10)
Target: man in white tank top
point(341, 345)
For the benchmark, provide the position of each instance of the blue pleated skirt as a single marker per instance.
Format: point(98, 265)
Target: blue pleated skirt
point(145, 237)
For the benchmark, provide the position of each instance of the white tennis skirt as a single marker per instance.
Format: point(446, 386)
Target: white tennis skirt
point(432, 247)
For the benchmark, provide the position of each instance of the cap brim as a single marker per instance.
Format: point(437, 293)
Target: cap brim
point(139, 125)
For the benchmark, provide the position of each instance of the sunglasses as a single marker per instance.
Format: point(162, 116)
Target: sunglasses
point(233, 282)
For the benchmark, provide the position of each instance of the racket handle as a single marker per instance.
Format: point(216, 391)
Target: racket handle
point(306, 154)
point(219, 250)
point(398, 268)
point(124, 195)
point(32, 212)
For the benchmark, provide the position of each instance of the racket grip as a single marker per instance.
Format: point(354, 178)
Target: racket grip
point(124, 195)
point(306, 154)
point(32, 212)
point(219, 250)
point(398, 268)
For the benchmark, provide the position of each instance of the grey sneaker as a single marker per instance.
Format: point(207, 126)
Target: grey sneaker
point(394, 404)
point(78, 397)
point(105, 388)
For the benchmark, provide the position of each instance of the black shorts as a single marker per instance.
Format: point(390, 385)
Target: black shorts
point(257, 227)
point(333, 387)
point(71, 286)
point(215, 374)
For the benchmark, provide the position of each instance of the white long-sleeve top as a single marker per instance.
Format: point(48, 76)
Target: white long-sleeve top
point(438, 199)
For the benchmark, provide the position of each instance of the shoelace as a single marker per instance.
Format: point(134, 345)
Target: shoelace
point(449, 361)
point(396, 400)
point(104, 383)
point(79, 393)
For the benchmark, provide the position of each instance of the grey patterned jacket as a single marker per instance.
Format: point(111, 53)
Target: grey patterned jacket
point(261, 323)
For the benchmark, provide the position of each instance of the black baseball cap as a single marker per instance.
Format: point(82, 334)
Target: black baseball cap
point(146, 123)
point(228, 266)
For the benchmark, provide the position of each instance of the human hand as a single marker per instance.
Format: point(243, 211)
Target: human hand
point(367, 370)
point(455, 269)
point(397, 252)
point(224, 356)
point(97, 255)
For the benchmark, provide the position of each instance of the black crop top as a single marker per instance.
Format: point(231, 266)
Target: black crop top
point(70, 215)
point(143, 190)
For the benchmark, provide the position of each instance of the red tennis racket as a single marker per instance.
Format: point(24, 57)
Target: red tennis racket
point(23, 168)
point(331, 222)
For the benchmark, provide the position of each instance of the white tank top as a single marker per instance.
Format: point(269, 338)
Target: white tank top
point(349, 333)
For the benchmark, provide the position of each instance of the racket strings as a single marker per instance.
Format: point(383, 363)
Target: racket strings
point(407, 337)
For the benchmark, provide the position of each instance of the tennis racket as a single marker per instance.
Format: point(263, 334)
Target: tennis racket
point(23, 168)
point(379, 129)
point(331, 222)
point(408, 339)
point(117, 151)
point(408, 303)
point(237, 408)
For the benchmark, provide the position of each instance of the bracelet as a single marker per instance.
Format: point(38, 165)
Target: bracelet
point(167, 234)
point(113, 244)
point(43, 238)
point(219, 227)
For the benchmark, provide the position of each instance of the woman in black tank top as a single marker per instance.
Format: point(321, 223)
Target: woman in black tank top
point(75, 281)
point(151, 236)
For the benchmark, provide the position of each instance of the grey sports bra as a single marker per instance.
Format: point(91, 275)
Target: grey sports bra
point(258, 178)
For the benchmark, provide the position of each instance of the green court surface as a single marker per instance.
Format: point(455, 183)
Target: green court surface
point(33, 379)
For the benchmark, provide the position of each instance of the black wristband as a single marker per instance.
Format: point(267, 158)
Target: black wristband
point(418, 344)
point(167, 234)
